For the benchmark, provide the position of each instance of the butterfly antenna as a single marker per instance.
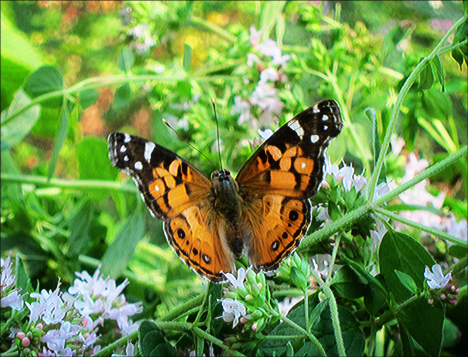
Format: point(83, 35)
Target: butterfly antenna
point(185, 141)
point(217, 130)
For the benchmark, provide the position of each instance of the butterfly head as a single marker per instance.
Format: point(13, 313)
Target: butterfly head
point(225, 190)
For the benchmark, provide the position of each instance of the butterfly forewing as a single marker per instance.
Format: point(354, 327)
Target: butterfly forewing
point(178, 193)
point(280, 177)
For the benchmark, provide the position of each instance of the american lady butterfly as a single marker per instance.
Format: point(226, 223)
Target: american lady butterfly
point(263, 213)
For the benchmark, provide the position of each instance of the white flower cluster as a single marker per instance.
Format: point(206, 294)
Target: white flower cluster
point(9, 293)
point(142, 38)
point(66, 325)
point(349, 180)
point(265, 95)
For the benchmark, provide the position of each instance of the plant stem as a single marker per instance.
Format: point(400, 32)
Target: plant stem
point(311, 337)
point(422, 227)
point(335, 320)
point(106, 81)
point(195, 20)
point(359, 212)
point(396, 108)
point(69, 184)
point(177, 311)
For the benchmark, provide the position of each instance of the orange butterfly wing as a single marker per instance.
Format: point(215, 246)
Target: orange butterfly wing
point(277, 181)
point(179, 194)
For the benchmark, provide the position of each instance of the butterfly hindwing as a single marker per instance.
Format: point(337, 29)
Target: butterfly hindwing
point(279, 179)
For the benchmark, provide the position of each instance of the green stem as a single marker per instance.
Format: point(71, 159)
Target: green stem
point(422, 227)
point(359, 212)
point(283, 337)
point(179, 310)
point(335, 320)
point(432, 170)
point(335, 251)
point(198, 21)
point(311, 337)
point(121, 341)
point(69, 184)
point(106, 81)
point(396, 108)
point(390, 314)
point(185, 326)
point(461, 265)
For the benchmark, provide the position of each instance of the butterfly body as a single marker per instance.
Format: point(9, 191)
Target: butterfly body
point(262, 213)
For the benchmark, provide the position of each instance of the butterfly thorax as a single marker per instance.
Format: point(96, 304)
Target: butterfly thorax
point(226, 194)
point(227, 202)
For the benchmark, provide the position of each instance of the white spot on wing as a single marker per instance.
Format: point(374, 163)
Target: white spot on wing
point(123, 148)
point(325, 127)
point(325, 117)
point(138, 165)
point(156, 188)
point(315, 109)
point(303, 165)
point(127, 138)
point(149, 147)
point(314, 138)
point(126, 158)
point(294, 125)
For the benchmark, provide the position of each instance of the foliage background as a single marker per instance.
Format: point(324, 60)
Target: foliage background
point(359, 53)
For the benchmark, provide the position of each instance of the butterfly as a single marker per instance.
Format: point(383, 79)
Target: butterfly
point(263, 213)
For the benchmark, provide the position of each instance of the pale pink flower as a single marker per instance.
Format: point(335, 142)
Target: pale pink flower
point(436, 278)
point(233, 310)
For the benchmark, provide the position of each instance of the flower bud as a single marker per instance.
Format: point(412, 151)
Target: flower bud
point(25, 342)
point(20, 335)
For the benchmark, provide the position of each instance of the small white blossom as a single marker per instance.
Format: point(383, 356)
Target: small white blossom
point(233, 310)
point(436, 278)
point(142, 38)
point(280, 60)
point(269, 48)
point(397, 144)
point(254, 35)
point(239, 281)
point(9, 294)
point(252, 59)
point(269, 74)
point(241, 107)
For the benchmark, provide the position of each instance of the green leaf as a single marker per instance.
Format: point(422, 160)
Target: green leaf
point(88, 97)
point(92, 154)
point(18, 58)
point(457, 55)
point(436, 104)
point(440, 71)
point(322, 328)
point(152, 341)
point(120, 252)
point(22, 278)
point(348, 284)
point(406, 341)
point(45, 80)
point(298, 278)
point(187, 57)
point(401, 252)
point(426, 77)
point(122, 96)
point(126, 60)
point(80, 224)
point(425, 324)
point(457, 252)
point(371, 114)
point(271, 10)
point(14, 131)
point(59, 140)
point(407, 281)
point(374, 300)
